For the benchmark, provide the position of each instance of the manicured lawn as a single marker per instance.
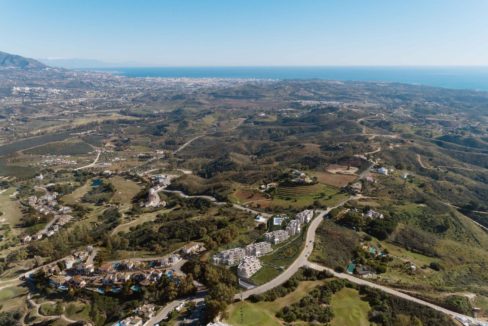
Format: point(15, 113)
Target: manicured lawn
point(248, 314)
point(349, 309)
point(265, 274)
point(143, 218)
point(11, 292)
point(76, 195)
point(12, 298)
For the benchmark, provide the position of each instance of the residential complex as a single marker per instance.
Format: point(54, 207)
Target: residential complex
point(258, 249)
point(293, 228)
point(276, 237)
point(230, 257)
point(248, 267)
point(305, 216)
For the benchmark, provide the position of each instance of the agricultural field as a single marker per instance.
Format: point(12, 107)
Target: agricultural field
point(67, 147)
point(303, 196)
point(285, 197)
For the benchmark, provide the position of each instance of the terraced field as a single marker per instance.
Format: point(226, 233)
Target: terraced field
point(303, 196)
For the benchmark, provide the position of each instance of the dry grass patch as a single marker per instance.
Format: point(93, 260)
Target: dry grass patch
point(342, 169)
point(336, 180)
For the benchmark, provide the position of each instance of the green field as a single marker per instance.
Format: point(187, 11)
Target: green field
point(77, 310)
point(249, 314)
point(72, 147)
point(125, 190)
point(349, 309)
point(12, 298)
point(75, 196)
point(263, 313)
point(141, 219)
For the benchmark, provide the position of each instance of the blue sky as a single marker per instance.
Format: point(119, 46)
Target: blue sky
point(249, 32)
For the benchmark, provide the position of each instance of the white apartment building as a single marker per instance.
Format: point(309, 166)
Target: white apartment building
point(258, 249)
point(230, 257)
point(305, 216)
point(276, 237)
point(293, 228)
point(248, 267)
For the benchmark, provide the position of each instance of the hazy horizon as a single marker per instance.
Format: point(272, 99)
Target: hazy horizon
point(249, 33)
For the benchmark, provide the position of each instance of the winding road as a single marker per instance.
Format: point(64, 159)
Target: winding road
point(92, 164)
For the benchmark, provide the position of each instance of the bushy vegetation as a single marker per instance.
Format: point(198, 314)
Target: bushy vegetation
point(459, 304)
point(390, 310)
point(99, 194)
point(10, 318)
point(335, 245)
point(314, 307)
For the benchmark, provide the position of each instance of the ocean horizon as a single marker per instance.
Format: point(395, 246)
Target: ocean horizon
point(472, 78)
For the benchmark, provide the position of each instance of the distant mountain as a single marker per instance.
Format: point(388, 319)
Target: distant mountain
point(8, 60)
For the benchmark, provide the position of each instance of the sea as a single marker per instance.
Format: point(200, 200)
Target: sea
point(473, 78)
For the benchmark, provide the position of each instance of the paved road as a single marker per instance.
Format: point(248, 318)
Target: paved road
point(301, 260)
point(92, 163)
point(162, 314)
point(182, 194)
point(214, 200)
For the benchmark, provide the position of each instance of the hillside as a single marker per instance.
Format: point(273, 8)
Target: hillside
point(9, 61)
